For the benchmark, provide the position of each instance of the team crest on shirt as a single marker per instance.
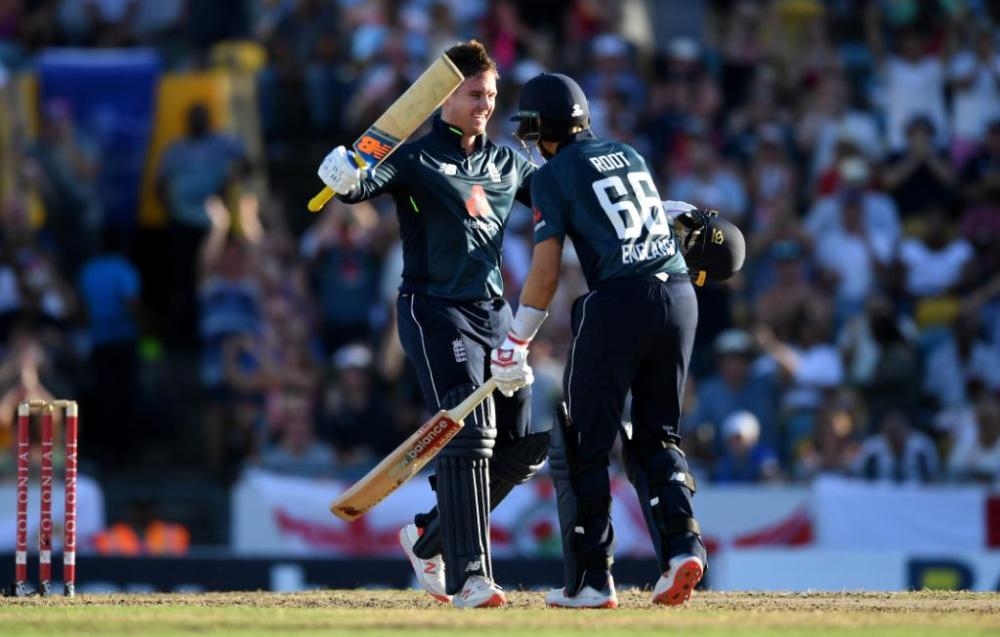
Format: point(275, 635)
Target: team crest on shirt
point(494, 174)
point(458, 348)
point(448, 169)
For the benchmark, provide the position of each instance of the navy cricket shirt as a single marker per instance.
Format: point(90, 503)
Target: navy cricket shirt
point(452, 210)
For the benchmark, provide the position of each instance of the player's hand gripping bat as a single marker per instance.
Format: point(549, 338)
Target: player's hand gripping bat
point(403, 117)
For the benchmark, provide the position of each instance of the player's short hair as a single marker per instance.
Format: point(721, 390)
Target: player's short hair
point(472, 59)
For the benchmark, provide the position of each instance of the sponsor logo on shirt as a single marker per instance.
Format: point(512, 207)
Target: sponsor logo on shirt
point(477, 205)
point(536, 215)
point(481, 226)
point(481, 217)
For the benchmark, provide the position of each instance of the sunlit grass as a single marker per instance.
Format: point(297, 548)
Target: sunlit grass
point(408, 612)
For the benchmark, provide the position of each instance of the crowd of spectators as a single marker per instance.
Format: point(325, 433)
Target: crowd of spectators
point(856, 143)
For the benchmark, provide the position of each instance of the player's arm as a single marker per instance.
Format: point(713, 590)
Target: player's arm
point(509, 362)
point(551, 207)
point(543, 277)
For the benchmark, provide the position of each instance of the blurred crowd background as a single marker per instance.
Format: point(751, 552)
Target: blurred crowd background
point(855, 142)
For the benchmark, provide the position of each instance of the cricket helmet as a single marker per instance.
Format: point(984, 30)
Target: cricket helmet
point(550, 104)
point(718, 250)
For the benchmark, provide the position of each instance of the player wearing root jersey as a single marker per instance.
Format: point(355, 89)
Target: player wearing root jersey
point(633, 331)
point(454, 190)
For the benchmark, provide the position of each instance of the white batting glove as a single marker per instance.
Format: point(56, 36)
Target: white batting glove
point(509, 366)
point(339, 171)
point(688, 220)
point(676, 208)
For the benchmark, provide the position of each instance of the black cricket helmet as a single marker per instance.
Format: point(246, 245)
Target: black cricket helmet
point(550, 104)
point(717, 250)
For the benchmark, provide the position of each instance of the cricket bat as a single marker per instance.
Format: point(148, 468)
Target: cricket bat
point(403, 117)
point(408, 458)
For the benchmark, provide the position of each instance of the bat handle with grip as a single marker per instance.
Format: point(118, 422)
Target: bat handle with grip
point(464, 408)
point(319, 200)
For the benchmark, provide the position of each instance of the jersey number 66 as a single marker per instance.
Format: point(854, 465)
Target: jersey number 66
point(636, 205)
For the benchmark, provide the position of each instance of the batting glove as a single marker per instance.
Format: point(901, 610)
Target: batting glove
point(509, 366)
point(339, 170)
point(692, 223)
point(696, 219)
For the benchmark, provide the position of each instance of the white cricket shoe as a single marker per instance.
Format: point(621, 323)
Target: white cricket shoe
point(479, 592)
point(675, 586)
point(429, 572)
point(587, 597)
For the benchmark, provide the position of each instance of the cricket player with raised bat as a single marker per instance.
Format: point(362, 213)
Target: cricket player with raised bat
point(454, 190)
point(633, 331)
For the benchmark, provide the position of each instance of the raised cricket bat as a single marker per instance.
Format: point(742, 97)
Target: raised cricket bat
point(408, 458)
point(401, 118)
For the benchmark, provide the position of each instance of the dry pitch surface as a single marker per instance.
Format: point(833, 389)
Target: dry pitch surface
point(397, 613)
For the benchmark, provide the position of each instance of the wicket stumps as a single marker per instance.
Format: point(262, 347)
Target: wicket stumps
point(48, 409)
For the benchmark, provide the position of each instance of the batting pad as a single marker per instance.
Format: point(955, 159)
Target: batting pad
point(463, 508)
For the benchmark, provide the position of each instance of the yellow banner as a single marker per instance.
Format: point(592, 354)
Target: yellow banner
point(177, 92)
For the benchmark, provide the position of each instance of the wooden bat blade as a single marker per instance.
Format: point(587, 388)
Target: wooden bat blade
point(421, 99)
point(398, 467)
point(403, 116)
point(408, 458)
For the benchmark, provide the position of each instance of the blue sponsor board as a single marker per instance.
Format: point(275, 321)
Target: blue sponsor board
point(951, 574)
point(113, 97)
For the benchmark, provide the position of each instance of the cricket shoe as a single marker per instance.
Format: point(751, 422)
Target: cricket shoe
point(430, 571)
point(587, 597)
point(479, 592)
point(675, 586)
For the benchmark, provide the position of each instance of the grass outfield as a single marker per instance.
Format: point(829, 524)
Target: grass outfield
point(368, 613)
